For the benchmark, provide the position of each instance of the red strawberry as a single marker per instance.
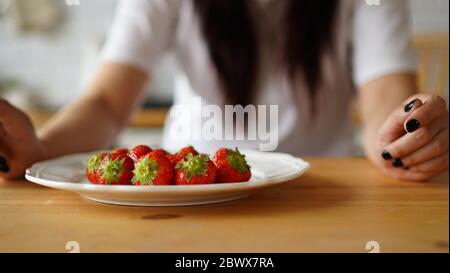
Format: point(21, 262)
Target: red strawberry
point(116, 169)
point(138, 152)
point(162, 151)
point(188, 150)
point(152, 169)
point(122, 151)
point(177, 157)
point(197, 169)
point(92, 167)
point(173, 160)
point(231, 166)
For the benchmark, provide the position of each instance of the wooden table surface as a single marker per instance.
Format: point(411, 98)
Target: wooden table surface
point(337, 206)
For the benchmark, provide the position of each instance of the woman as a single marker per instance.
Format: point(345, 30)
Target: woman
point(308, 57)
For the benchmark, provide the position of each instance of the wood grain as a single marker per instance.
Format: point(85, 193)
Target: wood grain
point(338, 206)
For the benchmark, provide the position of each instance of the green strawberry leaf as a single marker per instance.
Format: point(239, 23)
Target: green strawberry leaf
point(112, 169)
point(237, 160)
point(93, 162)
point(145, 171)
point(194, 165)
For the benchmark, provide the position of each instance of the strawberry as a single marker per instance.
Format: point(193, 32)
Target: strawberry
point(92, 167)
point(173, 160)
point(162, 151)
point(139, 151)
point(116, 169)
point(198, 169)
point(188, 150)
point(177, 157)
point(152, 169)
point(122, 151)
point(231, 166)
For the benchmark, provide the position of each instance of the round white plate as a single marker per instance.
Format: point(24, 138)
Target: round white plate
point(68, 173)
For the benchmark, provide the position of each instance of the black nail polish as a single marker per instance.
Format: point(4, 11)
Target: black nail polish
point(412, 125)
point(397, 163)
point(386, 155)
point(410, 105)
point(3, 165)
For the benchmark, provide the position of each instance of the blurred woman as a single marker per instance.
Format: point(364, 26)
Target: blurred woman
point(309, 57)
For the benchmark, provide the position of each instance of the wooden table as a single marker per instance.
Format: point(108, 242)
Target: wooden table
point(338, 206)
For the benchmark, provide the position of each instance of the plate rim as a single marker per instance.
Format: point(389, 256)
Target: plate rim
point(86, 187)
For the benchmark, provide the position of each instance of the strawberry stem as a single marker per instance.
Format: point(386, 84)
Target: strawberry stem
point(194, 165)
point(145, 171)
point(237, 160)
point(112, 169)
point(93, 162)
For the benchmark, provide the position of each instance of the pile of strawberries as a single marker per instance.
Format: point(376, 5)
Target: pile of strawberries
point(143, 166)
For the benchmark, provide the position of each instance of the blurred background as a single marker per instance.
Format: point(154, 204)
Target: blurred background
point(49, 51)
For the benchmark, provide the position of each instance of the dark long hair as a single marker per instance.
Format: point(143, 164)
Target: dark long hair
point(229, 30)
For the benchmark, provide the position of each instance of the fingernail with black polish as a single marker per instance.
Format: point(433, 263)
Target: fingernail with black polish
point(3, 165)
point(412, 125)
point(397, 163)
point(410, 105)
point(386, 155)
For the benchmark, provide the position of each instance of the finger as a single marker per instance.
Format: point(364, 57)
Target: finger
point(4, 167)
point(413, 141)
point(5, 121)
point(5, 152)
point(432, 107)
point(5, 110)
point(435, 166)
point(437, 146)
point(393, 127)
point(11, 118)
point(4, 147)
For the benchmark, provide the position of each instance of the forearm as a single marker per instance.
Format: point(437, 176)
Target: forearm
point(94, 121)
point(84, 126)
point(378, 99)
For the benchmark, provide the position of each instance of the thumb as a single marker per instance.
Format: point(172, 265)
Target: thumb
point(393, 127)
point(12, 120)
point(14, 126)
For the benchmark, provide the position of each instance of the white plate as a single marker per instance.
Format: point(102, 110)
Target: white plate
point(68, 173)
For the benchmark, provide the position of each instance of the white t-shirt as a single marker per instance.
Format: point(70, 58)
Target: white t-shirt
point(371, 41)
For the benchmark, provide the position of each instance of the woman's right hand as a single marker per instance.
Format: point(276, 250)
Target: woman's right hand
point(19, 145)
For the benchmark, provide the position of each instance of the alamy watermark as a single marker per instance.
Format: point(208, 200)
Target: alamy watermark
point(211, 122)
point(73, 2)
point(373, 247)
point(373, 2)
point(73, 247)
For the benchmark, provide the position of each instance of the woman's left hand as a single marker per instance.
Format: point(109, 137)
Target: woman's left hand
point(413, 142)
